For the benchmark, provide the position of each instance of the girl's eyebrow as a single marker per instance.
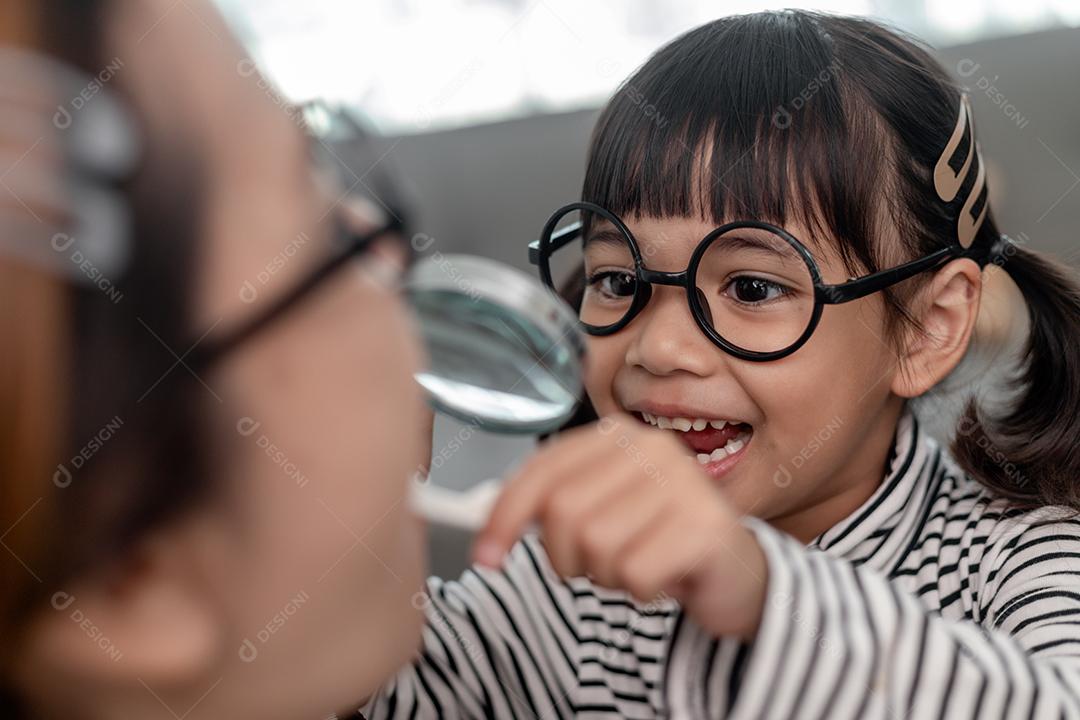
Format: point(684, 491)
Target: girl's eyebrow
point(744, 240)
point(751, 239)
point(605, 236)
point(779, 248)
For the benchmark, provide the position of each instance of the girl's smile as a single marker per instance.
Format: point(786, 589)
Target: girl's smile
point(717, 443)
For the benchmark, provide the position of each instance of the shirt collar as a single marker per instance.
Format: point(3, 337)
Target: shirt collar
point(879, 531)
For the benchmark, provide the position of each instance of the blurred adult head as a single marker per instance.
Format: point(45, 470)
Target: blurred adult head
point(219, 540)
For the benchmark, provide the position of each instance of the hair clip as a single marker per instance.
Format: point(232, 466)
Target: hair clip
point(67, 143)
point(948, 182)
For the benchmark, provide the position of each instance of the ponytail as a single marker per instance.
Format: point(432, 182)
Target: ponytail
point(1030, 453)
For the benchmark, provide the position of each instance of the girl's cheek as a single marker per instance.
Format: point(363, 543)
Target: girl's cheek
point(602, 364)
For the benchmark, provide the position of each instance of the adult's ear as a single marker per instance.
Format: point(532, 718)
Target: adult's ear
point(145, 621)
point(947, 312)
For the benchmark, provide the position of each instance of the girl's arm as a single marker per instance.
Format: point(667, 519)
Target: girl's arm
point(839, 641)
point(823, 637)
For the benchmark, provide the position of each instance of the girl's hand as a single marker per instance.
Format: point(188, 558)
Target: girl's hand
point(624, 504)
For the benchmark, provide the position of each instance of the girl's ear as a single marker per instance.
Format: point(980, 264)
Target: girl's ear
point(950, 309)
point(148, 621)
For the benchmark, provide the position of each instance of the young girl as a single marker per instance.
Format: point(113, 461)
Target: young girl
point(774, 264)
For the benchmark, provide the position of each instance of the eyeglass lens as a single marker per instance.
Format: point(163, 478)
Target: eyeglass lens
point(755, 290)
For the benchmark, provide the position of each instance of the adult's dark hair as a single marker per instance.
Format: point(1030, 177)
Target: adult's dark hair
point(100, 441)
point(837, 123)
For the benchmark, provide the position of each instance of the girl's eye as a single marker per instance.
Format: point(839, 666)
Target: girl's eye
point(614, 283)
point(750, 290)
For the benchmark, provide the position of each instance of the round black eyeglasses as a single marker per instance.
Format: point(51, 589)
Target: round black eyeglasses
point(753, 288)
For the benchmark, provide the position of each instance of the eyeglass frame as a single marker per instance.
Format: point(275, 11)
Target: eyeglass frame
point(354, 245)
point(540, 252)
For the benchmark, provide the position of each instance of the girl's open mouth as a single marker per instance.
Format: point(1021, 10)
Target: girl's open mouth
point(718, 444)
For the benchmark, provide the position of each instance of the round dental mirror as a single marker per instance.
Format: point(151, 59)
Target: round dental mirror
point(504, 353)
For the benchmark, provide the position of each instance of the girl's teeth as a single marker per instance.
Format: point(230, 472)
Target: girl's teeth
point(687, 424)
point(683, 424)
point(733, 446)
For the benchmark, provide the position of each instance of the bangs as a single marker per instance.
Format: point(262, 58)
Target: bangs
point(747, 118)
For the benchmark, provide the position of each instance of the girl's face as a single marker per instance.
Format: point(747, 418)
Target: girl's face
point(804, 436)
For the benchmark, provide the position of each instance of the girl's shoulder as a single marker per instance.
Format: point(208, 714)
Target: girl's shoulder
point(999, 523)
point(969, 550)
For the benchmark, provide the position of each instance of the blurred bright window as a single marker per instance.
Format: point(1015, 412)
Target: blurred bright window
point(410, 66)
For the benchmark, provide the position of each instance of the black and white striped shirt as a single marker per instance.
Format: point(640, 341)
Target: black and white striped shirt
point(931, 600)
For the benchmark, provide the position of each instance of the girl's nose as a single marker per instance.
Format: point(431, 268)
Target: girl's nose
point(667, 340)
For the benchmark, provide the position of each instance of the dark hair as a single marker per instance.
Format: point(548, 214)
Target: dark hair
point(838, 123)
point(125, 350)
point(117, 370)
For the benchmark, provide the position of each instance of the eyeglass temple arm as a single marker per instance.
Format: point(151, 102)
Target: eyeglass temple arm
point(210, 351)
point(558, 240)
point(855, 289)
